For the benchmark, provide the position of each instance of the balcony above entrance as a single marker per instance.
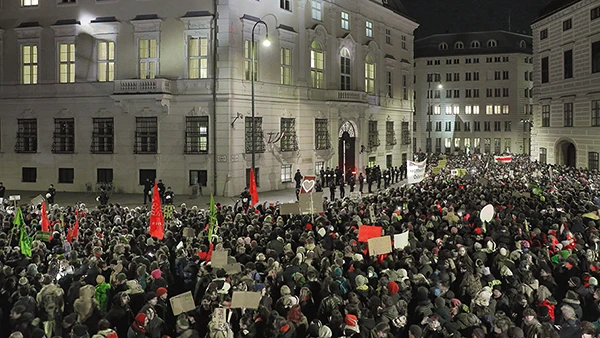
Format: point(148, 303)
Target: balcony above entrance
point(129, 94)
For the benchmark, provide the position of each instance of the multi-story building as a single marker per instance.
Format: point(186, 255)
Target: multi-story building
point(567, 84)
point(119, 91)
point(473, 92)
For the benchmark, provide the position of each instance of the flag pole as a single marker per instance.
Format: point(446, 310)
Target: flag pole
point(13, 229)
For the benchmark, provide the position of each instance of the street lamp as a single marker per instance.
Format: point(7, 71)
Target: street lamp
point(429, 113)
point(266, 43)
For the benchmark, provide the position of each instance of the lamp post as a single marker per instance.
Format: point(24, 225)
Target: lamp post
point(429, 113)
point(266, 43)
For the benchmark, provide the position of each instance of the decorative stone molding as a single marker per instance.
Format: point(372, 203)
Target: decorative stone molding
point(197, 22)
point(25, 33)
point(66, 30)
point(149, 25)
point(349, 43)
point(319, 33)
point(100, 27)
point(287, 34)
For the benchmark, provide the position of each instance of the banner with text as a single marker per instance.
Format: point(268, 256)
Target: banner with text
point(415, 171)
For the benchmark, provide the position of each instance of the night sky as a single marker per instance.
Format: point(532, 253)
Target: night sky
point(452, 16)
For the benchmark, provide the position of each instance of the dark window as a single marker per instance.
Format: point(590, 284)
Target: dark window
point(568, 63)
point(544, 34)
point(64, 136)
point(198, 176)
point(390, 134)
point(456, 125)
point(497, 125)
point(568, 114)
point(476, 92)
point(438, 145)
point(104, 175)
point(147, 174)
point(448, 126)
point(546, 115)
point(596, 57)
point(428, 126)
point(66, 175)
point(545, 70)
point(593, 160)
point(567, 24)
point(256, 177)
point(507, 125)
point(259, 143)
point(504, 92)
point(595, 13)
point(28, 175)
point(476, 126)
point(146, 135)
point(373, 135)
point(289, 141)
point(438, 126)
point(103, 136)
point(284, 4)
point(428, 145)
point(321, 134)
point(467, 126)
point(486, 126)
point(596, 113)
point(543, 155)
point(196, 134)
point(505, 75)
point(26, 136)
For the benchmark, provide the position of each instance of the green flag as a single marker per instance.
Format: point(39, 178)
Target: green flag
point(24, 239)
point(212, 218)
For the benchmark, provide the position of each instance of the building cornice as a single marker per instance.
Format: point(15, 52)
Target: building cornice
point(559, 13)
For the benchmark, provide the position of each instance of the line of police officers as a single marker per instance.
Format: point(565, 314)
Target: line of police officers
point(334, 178)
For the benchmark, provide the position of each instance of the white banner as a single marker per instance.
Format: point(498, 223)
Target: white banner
point(415, 171)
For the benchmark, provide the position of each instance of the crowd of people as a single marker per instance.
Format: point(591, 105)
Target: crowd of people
point(532, 271)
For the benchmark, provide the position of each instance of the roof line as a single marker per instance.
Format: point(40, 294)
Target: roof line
point(554, 11)
point(478, 32)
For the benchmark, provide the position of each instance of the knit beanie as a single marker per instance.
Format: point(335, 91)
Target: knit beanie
point(351, 320)
point(161, 291)
point(156, 274)
point(393, 288)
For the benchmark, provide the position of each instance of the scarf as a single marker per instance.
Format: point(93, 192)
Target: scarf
point(138, 324)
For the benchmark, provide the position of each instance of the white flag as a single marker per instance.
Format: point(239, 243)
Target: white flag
point(415, 171)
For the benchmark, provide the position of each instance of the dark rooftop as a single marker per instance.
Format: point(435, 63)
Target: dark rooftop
point(506, 42)
point(554, 6)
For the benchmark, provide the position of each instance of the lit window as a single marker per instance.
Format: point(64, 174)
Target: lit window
point(489, 109)
point(369, 29)
point(475, 110)
point(345, 21)
point(497, 109)
point(437, 110)
point(345, 69)
point(198, 58)
point(317, 10)
point(286, 173)
point(66, 63)
point(467, 110)
point(546, 115)
point(286, 66)
point(29, 3)
point(505, 109)
point(250, 55)
point(316, 65)
point(456, 110)
point(369, 75)
point(148, 58)
point(196, 134)
point(29, 64)
point(106, 61)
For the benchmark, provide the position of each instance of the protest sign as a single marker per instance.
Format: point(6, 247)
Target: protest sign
point(233, 268)
point(415, 171)
point(219, 316)
point(308, 184)
point(182, 303)
point(245, 299)
point(218, 259)
point(37, 200)
point(189, 232)
point(366, 232)
point(380, 245)
point(311, 203)
point(289, 209)
point(401, 241)
point(487, 213)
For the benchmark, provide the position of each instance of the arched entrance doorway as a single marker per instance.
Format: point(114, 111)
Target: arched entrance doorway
point(347, 147)
point(566, 153)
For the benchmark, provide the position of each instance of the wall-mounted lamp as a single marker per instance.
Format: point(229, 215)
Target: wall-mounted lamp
point(239, 116)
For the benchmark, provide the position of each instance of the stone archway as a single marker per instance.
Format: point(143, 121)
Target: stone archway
point(565, 153)
point(347, 147)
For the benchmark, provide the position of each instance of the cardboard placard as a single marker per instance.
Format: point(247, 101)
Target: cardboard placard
point(380, 245)
point(401, 241)
point(483, 182)
point(245, 299)
point(218, 259)
point(37, 200)
point(182, 303)
point(43, 236)
point(372, 214)
point(233, 268)
point(366, 232)
point(14, 197)
point(355, 195)
point(289, 209)
point(189, 232)
point(219, 316)
point(311, 203)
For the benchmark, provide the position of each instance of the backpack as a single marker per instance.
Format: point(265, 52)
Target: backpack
point(342, 285)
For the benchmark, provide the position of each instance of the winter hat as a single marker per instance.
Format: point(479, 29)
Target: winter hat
point(351, 320)
point(100, 279)
point(529, 312)
point(393, 287)
point(568, 312)
point(80, 330)
point(361, 280)
point(337, 272)
point(38, 333)
point(571, 298)
point(478, 333)
point(516, 332)
point(183, 323)
point(161, 291)
point(150, 295)
point(416, 331)
point(593, 281)
point(156, 274)
point(121, 277)
point(285, 291)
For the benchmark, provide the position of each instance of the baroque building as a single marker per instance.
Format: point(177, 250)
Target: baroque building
point(118, 91)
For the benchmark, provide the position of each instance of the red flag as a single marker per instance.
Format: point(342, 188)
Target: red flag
point(74, 233)
point(157, 221)
point(253, 191)
point(45, 220)
point(366, 232)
